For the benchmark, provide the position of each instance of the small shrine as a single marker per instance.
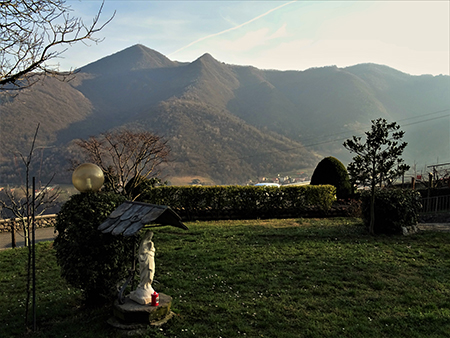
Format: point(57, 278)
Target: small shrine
point(142, 306)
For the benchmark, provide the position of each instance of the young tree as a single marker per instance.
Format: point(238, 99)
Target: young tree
point(24, 205)
point(19, 201)
point(34, 32)
point(126, 157)
point(378, 160)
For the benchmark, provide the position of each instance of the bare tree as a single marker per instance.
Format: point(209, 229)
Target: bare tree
point(34, 32)
point(19, 203)
point(126, 157)
point(24, 204)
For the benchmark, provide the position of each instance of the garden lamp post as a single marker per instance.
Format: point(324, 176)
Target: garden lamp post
point(88, 177)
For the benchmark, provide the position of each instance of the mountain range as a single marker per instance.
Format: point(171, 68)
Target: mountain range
point(225, 124)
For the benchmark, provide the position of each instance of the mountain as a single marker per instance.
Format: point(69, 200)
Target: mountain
point(136, 58)
point(224, 123)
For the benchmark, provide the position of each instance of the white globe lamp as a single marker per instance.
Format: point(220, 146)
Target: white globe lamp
point(88, 177)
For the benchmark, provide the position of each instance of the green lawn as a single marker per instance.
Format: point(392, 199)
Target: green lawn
point(262, 278)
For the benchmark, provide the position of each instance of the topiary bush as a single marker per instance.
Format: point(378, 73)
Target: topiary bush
point(394, 209)
point(331, 171)
point(90, 260)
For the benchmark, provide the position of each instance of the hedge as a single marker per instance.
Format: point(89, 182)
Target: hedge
point(242, 202)
point(394, 210)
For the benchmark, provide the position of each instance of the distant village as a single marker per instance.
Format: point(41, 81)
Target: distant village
point(300, 179)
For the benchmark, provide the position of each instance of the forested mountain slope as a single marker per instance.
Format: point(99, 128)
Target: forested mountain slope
point(225, 122)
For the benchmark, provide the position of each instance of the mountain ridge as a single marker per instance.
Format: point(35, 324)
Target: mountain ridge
point(268, 121)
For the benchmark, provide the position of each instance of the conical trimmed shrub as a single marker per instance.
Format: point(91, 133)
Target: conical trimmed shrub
point(331, 171)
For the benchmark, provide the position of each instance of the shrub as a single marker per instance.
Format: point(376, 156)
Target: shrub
point(394, 209)
point(354, 207)
point(136, 186)
point(90, 260)
point(331, 171)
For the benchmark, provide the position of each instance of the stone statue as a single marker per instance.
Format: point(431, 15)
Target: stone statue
point(143, 292)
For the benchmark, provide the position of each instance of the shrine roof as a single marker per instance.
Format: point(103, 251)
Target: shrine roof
point(130, 217)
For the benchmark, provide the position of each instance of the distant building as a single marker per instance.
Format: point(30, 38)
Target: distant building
point(267, 185)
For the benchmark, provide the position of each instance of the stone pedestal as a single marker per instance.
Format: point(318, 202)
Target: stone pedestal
point(131, 315)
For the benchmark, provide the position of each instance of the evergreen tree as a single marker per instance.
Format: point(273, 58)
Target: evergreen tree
point(378, 160)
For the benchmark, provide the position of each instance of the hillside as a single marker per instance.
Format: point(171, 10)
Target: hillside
point(211, 143)
point(225, 123)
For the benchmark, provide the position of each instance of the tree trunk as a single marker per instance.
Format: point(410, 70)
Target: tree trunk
point(372, 200)
point(13, 236)
point(372, 208)
point(372, 214)
point(25, 234)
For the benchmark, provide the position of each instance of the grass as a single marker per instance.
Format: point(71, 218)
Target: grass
point(261, 278)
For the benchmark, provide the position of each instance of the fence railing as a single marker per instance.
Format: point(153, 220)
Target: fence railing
point(436, 203)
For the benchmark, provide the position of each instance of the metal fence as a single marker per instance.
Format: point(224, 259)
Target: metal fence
point(436, 203)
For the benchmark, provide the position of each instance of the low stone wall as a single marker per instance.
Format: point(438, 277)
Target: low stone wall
point(41, 222)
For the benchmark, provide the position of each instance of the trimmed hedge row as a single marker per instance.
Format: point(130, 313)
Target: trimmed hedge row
point(242, 202)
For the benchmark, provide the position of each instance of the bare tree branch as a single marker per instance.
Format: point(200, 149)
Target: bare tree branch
point(126, 157)
point(18, 201)
point(32, 32)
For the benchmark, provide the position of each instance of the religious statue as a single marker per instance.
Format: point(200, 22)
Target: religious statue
point(144, 291)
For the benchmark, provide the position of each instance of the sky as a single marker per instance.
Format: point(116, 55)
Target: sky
point(410, 36)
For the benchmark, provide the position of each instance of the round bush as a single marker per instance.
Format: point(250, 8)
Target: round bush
point(89, 259)
point(331, 171)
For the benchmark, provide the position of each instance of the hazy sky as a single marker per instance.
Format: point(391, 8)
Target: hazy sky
point(411, 36)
